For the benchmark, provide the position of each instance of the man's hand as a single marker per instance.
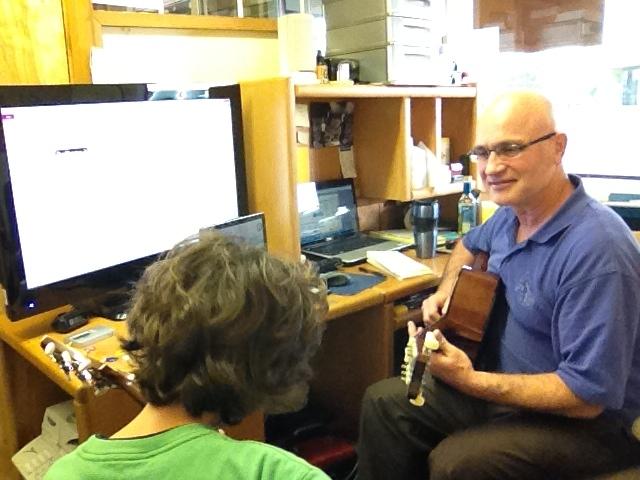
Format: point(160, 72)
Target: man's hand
point(450, 364)
point(432, 308)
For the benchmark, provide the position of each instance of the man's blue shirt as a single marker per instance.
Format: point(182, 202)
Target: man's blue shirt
point(573, 292)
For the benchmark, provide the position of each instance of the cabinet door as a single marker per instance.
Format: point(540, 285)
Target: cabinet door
point(33, 43)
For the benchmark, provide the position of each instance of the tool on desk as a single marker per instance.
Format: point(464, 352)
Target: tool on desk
point(371, 272)
point(464, 320)
point(98, 375)
point(89, 336)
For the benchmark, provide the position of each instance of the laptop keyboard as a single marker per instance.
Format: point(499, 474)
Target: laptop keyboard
point(346, 245)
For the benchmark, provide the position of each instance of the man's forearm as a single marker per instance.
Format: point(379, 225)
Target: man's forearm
point(459, 257)
point(543, 392)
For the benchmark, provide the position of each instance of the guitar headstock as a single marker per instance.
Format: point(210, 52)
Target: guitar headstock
point(99, 376)
point(414, 367)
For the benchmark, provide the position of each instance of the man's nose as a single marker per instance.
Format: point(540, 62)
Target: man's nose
point(493, 164)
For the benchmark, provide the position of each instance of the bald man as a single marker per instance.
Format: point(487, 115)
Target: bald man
point(561, 397)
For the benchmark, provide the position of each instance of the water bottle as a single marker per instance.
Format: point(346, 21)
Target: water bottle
point(467, 210)
point(424, 217)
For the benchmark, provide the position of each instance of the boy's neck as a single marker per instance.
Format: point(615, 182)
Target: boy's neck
point(154, 419)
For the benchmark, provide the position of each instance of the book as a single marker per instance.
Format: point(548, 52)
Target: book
point(397, 264)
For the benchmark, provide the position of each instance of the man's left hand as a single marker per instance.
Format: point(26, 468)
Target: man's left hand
point(450, 364)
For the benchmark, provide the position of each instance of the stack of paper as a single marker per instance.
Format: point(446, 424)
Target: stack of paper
point(397, 264)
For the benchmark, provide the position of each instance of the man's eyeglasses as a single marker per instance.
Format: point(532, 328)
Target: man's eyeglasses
point(506, 149)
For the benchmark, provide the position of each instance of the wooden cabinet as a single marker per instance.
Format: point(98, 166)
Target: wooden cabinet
point(387, 122)
point(33, 43)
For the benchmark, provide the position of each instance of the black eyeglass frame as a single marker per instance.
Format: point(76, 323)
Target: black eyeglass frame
point(506, 149)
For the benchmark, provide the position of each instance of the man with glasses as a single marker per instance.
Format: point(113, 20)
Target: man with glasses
point(562, 396)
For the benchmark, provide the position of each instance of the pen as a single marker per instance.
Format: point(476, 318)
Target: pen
point(372, 272)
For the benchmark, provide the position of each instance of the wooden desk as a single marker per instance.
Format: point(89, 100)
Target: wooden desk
point(356, 351)
point(357, 348)
point(30, 382)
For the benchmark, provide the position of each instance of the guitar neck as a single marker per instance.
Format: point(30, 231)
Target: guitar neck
point(99, 376)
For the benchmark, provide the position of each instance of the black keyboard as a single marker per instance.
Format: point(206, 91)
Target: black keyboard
point(348, 244)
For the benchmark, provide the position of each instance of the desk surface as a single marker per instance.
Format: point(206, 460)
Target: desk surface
point(391, 289)
point(24, 336)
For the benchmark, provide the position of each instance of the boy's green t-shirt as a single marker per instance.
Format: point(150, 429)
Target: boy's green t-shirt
point(190, 452)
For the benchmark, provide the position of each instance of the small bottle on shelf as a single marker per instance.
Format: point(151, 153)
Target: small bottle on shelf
point(322, 71)
point(467, 210)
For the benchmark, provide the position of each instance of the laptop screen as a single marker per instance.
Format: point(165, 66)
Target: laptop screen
point(335, 216)
point(249, 228)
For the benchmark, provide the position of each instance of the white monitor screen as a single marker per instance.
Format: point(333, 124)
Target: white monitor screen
point(97, 185)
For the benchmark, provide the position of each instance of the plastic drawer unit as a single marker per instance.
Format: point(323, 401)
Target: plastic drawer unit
point(342, 13)
point(380, 33)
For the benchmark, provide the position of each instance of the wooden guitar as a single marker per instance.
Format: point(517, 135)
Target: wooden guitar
point(97, 367)
point(464, 321)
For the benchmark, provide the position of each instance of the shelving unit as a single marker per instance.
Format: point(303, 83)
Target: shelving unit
point(388, 120)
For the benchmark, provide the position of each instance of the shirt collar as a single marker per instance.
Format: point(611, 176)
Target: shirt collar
point(566, 215)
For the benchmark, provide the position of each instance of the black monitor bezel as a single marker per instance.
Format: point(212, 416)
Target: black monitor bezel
point(21, 302)
point(242, 220)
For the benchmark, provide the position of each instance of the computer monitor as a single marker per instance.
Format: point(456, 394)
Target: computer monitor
point(249, 229)
point(95, 189)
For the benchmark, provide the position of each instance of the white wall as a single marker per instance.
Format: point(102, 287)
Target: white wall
point(154, 55)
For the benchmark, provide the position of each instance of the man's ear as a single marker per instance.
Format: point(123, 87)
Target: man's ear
point(560, 145)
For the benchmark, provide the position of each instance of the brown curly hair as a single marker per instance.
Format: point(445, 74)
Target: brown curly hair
point(227, 328)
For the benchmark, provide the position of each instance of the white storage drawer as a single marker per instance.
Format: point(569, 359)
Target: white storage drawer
point(342, 13)
point(379, 33)
point(396, 64)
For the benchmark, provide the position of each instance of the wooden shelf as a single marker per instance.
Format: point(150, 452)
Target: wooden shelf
point(388, 122)
point(190, 22)
point(378, 91)
point(447, 189)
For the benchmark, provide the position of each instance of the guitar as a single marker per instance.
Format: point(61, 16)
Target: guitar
point(465, 318)
point(95, 370)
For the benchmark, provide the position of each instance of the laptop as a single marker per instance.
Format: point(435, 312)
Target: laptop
point(249, 229)
point(331, 229)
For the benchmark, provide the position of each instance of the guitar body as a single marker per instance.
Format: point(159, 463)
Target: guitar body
point(464, 322)
point(469, 310)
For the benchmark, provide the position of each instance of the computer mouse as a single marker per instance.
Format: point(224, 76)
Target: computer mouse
point(337, 279)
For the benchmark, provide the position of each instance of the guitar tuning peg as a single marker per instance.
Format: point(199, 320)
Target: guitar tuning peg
point(431, 342)
point(49, 348)
point(67, 364)
point(85, 376)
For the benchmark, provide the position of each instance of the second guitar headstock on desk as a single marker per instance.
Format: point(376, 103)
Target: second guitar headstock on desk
point(98, 372)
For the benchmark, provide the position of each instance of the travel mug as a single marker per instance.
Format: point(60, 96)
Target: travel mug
point(424, 217)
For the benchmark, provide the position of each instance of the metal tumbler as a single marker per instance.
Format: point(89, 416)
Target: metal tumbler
point(424, 217)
